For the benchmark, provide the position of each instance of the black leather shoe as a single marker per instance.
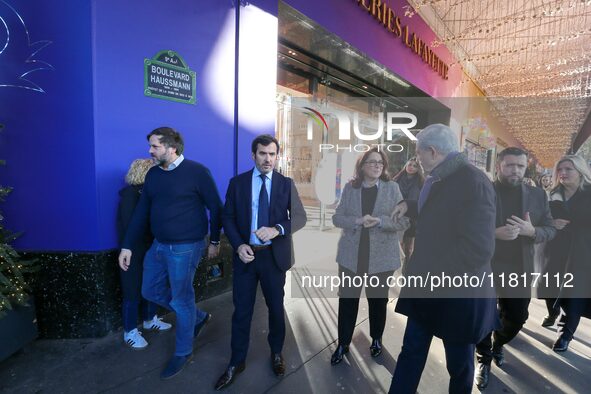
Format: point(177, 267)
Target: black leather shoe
point(278, 364)
point(498, 356)
point(482, 376)
point(338, 354)
point(229, 375)
point(203, 323)
point(549, 320)
point(561, 345)
point(376, 347)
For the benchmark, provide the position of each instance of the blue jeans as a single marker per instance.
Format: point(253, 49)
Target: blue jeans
point(169, 270)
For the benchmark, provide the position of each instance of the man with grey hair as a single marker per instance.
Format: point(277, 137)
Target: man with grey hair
point(455, 216)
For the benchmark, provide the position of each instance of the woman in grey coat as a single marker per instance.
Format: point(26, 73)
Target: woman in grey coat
point(368, 245)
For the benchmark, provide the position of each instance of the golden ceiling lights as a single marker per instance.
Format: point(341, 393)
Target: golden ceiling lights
point(522, 48)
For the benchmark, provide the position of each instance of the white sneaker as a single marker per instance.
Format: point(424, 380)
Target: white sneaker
point(156, 324)
point(134, 339)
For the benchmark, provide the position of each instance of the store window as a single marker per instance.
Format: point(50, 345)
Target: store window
point(346, 79)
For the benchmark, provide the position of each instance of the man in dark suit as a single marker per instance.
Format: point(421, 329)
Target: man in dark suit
point(523, 218)
point(262, 210)
point(455, 217)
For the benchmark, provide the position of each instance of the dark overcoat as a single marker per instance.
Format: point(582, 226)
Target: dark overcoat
point(456, 236)
point(569, 254)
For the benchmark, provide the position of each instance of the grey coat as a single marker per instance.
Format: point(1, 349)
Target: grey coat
point(384, 252)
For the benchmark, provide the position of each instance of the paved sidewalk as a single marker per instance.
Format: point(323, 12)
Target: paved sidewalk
point(105, 365)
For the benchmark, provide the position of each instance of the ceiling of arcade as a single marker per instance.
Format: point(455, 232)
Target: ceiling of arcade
point(532, 56)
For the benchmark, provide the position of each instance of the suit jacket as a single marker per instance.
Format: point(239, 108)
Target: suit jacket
point(384, 252)
point(455, 235)
point(535, 201)
point(286, 209)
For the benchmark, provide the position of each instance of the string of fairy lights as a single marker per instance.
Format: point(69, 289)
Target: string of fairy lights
point(547, 121)
point(518, 49)
point(502, 70)
point(15, 285)
point(533, 13)
point(499, 82)
point(523, 48)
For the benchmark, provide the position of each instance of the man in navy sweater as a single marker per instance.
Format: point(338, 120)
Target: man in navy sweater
point(174, 200)
point(262, 210)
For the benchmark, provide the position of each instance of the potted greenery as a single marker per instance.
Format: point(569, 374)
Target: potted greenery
point(18, 324)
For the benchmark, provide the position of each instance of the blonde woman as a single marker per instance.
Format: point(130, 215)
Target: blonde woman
point(131, 280)
point(570, 251)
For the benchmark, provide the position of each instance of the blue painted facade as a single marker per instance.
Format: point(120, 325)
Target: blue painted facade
point(48, 140)
point(68, 147)
point(73, 126)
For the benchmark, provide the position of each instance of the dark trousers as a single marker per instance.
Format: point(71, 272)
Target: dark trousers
point(411, 362)
point(245, 282)
point(348, 308)
point(377, 298)
point(131, 288)
point(130, 312)
point(574, 309)
point(408, 246)
point(552, 306)
point(513, 313)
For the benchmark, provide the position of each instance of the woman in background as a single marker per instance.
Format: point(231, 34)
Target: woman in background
point(529, 182)
point(410, 180)
point(569, 253)
point(545, 182)
point(131, 280)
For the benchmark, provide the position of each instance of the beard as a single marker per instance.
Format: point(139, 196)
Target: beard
point(160, 161)
point(511, 182)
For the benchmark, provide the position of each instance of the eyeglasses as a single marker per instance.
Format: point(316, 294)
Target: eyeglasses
point(374, 163)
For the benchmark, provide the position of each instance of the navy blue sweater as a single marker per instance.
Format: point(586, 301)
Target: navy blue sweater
point(174, 203)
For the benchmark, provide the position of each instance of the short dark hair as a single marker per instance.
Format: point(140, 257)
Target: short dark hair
point(169, 137)
point(264, 140)
point(513, 151)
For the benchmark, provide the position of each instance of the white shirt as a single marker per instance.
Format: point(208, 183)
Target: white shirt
point(174, 164)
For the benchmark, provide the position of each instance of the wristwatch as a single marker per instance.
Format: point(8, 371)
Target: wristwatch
point(279, 228)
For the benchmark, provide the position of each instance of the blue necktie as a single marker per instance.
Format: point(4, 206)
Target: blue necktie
point(263, 215)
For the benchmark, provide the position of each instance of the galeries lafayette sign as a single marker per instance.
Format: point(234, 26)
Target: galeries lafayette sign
point(386, 16)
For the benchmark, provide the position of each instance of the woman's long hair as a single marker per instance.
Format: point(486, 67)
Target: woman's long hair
point(419, 173)
point(138, 170)
point(580, 165)
point(357, 180)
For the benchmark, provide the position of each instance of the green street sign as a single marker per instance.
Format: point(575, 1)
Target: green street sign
point(168, 77)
